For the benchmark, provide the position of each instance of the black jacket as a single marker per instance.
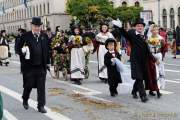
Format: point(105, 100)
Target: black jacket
point(140, 54)
point(114, 77)
point(27, 39)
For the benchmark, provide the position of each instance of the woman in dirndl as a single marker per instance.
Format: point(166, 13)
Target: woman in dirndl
point(77, 63)
point(4, 49)
point(101, 50)
point(155, 42)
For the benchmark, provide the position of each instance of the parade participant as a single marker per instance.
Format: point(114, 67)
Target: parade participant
point(164, 46)
point(77, 56)
point(117, 34)
point(50, 38)
point(1, 107)
point(34, 50)
point(16, 47)
point(88, 38)
point(140, 54)
point(177, 42)
point(114, 76)
point(101, 39)
point(60, 54)
point(4, 49)
point(155, 43)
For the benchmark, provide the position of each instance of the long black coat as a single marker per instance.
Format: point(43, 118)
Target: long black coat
point(140, 54)
point(114, 77)
point(27, 39)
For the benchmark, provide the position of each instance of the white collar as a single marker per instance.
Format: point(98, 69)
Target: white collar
point(112, 51)
point(36, 33)
point(137, 33)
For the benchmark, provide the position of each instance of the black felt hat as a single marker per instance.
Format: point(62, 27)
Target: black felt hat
point(108, 41)
point(36, 21)
point(139, 21)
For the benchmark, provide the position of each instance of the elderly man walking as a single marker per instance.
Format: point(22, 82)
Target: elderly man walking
point(34, 51)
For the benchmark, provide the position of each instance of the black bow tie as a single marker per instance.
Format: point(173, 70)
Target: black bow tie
point(36, 35)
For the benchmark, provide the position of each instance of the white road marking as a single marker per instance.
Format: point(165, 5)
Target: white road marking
point(8, 115)
point(166, 92)
point(50, 114)
point(169, 70)
point(16, 62)
point(91, 61)
point(172, 81)
point(172, 64)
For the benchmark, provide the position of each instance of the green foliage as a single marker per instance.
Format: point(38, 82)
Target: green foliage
point(92, 11)
point(89, 11)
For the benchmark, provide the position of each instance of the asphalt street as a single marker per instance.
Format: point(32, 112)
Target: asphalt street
point(91, 100)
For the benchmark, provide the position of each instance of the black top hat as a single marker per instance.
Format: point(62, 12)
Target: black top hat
point(139, 21)
point(108, 41)
point(36, 21)
point(151, 22)
point(3, 31)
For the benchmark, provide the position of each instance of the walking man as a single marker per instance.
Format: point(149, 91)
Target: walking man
point(34, 50)
point(140, 55)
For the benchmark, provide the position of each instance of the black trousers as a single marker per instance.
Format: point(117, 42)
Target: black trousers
point(35, 78)
point(113, 87)
point(139, 87)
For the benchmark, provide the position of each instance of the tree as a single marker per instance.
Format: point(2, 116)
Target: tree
point(89, 12)
point(127, 14)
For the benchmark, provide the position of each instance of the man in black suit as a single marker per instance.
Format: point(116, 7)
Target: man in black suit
point(140, 55)
point(35, 52)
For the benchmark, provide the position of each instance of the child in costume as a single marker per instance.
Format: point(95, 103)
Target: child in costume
point(110, 60)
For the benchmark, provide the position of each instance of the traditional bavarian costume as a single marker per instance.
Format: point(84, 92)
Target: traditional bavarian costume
point(101, 38)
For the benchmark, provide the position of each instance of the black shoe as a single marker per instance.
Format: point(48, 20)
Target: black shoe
point(152, 93)
point(77, 82)
point(134, 94)
point(144, 99)
point(116, 92)
point(158, 94)
point(25, 104)
point(105, 81)
point(42, 110)
point(113, 94)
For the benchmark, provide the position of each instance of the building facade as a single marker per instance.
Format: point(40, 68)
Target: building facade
point(127, 2)
point(16, 14)
point(165, 12)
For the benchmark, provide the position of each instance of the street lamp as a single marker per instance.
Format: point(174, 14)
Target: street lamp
point(159, 22)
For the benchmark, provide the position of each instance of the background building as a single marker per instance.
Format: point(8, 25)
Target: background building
point(127, 2)
point(165, 12)
point(16, 14)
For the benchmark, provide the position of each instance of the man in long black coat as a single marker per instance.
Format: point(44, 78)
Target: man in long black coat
point(140, 54)
point(34, 50)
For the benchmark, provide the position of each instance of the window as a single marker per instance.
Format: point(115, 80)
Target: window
point(179, 16)
point(172, 21)
point(124, 4)
point(164, 18)
point(40, 10)
point(34, 11)
point(44, 8)
point(137, 4)
point(37, 11)
point(48, 8)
